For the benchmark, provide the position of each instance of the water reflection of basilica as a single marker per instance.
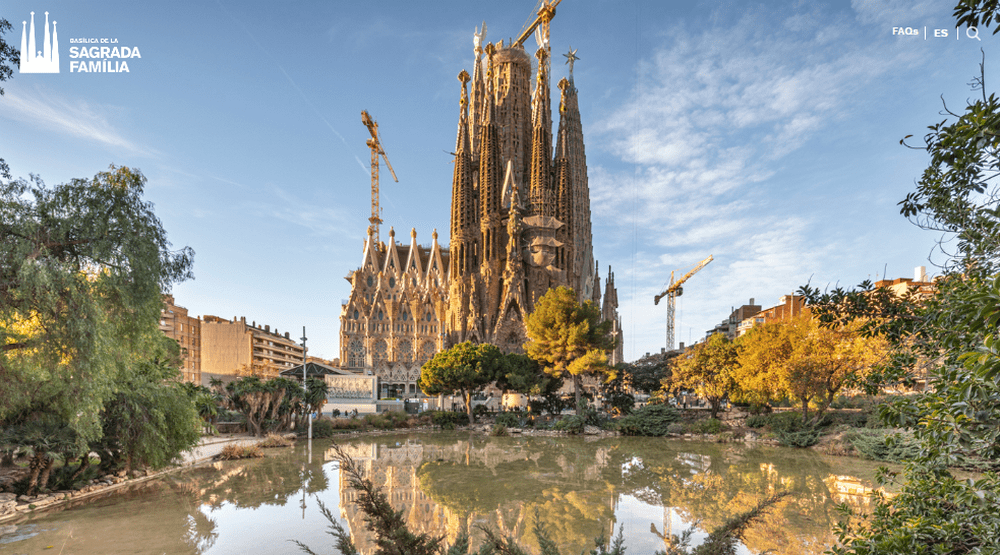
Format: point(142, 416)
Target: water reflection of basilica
point(446, 488)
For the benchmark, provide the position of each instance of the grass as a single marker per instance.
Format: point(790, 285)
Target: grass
point(275, 440)
point(236, 451)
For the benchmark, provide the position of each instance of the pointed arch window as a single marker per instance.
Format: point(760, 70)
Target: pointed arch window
point(392, 282)
point(370, 281)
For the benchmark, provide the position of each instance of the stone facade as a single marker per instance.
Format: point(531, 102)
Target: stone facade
point(520, 225)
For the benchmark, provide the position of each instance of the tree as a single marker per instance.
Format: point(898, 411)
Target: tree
point(7, 56)
point(763, 351)
point(82, 268)
point(267, 405)
point(707, 369)
point(152, 418)
point(568, 339)
point(465, 368)
point(520, 373)
point(958, 417)
point(806, 360)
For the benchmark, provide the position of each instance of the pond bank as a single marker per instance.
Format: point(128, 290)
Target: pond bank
point(14, 508)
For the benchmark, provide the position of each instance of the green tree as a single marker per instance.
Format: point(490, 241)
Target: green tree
point(267, 405)
point(955, 330)
point(707, 369)
point(568, 339)
point(465, 368)
point(82, 268)
point(522, 374)
point(152, 418)
point(7, 56)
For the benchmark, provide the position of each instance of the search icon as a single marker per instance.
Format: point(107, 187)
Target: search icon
point(973, 33)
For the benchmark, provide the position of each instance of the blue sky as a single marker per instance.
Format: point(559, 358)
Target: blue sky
point(765, 134)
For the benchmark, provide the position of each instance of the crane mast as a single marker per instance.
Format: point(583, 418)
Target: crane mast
point(375, 144)
point(673, 291)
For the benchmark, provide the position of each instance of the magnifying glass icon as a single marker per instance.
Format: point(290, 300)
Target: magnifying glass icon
point(973, 33)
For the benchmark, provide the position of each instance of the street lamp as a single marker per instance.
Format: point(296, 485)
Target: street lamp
point(305, 386)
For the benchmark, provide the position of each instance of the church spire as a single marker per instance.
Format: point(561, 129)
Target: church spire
point(541, 200)
point(463, 206)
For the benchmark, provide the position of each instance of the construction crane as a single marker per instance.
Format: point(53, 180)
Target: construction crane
point(673, 291)
point(545, 15)
point(376, 145)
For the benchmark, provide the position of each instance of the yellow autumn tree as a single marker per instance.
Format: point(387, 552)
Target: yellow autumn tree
point(807, 361)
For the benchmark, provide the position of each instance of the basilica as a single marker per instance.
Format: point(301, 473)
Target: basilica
point(520, 225)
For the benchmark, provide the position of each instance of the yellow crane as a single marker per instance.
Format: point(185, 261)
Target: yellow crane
point(545, 15)
point(673, 291)
point(376, 145)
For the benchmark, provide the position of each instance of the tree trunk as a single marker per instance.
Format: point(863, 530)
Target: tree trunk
point(84, 465)
point(467, 395)
point(805, 409)
point(37, 461)
point(43, 480)
point(714, 403)
point(576, 392)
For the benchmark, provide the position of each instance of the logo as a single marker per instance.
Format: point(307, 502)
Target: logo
point(45, 60)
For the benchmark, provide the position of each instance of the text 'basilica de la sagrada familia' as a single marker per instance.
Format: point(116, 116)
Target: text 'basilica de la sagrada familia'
point(520, 225)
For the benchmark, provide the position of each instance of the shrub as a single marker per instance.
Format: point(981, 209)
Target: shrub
point(710, 426)
point(235, 451)
point(572, 424)
point(726, 437)
point(499, 430)
point(677, 428)
point(757, 420)
point(325, 427)
point(884, 445)
point(509, 419)
point(650, 420)
point(801, 438)
point(448, 420)
point(480, 410)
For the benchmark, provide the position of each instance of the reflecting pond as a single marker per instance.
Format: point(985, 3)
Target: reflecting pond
point(446, 483)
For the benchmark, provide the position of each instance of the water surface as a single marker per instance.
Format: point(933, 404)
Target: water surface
point(448, 483)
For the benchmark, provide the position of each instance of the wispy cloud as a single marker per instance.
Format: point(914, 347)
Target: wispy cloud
point(713, 118)
point(75, 118)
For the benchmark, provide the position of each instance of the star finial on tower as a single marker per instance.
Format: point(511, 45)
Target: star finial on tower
point(570, 58)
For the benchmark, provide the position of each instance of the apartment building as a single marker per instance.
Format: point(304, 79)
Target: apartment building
point(788, 307)
point(231, 345)
point(186, 330)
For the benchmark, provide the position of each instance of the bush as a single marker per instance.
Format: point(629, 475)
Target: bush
point(876, 445)
point(757, 421)
point(447, 420)
point(801, 438)
point(726, 437)
point(677, 428)
point(650, 420)
point(710, 426)
point(480, 410)
point(325, 427)
point(852, 419)
point(499, 430)
point(572, 424)
point(509, 419)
